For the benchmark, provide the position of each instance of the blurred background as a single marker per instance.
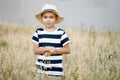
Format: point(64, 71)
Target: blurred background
point(95, 55)
point(83, 14)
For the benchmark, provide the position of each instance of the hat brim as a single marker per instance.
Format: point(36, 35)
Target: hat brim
point(58, 20)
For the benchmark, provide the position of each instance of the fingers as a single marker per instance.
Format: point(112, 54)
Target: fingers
point(51, 49)
point(47, 54)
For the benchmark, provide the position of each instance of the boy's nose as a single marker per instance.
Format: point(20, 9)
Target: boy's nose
point(48, 19)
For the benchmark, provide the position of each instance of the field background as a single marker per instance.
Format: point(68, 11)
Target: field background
point(95, 55)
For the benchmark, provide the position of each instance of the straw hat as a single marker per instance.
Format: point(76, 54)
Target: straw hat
point(49, 8)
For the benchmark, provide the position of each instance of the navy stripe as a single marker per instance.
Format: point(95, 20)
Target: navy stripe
point(49, 36)
point(49, 69)
point(56, 54)
point(50, 61)
point(55, 75)
point(53, 54)
point(40, 29)
point(35, 38)
point(56, 69)
point(61, 30)
point(50, 44)
point(64, 40)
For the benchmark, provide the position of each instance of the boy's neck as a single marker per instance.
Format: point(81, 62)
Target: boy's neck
point(50, 29)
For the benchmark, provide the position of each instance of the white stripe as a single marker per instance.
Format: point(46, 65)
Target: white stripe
point(55, 32)
point(50, 57)
point(66, 43)
point(58, 47)
point(35, 41)
point(63, 37)
point(50, 72)
point(49, 40)
point(35, 34)
point(54, 73)
point(49, 65)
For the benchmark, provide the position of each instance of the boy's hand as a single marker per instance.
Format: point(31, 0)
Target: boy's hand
point(52, 50)
point(47, 54)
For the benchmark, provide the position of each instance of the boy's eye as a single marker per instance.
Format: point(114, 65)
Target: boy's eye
point(51, 16)
point(48, 17)
point(45, 17)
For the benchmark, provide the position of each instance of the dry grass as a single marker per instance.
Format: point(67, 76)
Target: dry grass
point(94, 55)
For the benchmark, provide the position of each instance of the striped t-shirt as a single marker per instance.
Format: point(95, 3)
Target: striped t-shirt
point(51, 65)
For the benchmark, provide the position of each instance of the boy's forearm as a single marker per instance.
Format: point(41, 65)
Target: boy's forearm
point(52, 50)
point(63, 51)
point(40, 50)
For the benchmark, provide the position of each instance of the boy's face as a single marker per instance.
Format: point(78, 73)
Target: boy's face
point(49, 19)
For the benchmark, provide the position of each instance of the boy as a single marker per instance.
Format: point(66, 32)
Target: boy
point(50, 43)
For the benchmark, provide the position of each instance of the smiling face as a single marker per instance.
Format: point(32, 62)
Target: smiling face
point(49, 19)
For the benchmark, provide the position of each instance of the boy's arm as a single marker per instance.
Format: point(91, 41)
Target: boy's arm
point(64, 50)
point(39, 50)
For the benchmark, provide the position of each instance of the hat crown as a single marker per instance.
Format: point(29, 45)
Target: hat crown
point(49, 7)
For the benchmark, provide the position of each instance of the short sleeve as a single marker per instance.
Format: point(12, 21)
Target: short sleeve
point(64, 39)
point(35, 37)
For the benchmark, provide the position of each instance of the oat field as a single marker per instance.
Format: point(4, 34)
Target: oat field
point(95, 55)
